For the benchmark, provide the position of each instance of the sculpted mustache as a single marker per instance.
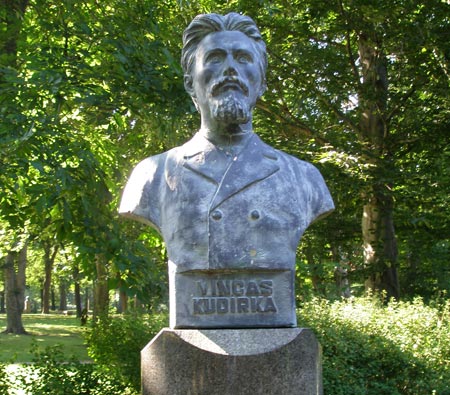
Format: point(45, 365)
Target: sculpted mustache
point(225, 81)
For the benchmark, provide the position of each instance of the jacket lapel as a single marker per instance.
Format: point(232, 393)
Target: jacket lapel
point(201, 157)
point(254, 163)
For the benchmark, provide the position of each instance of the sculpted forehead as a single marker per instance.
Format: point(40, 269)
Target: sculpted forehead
point(226, 40)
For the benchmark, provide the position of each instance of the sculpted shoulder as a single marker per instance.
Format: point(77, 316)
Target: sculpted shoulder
point(308, 183)
point(299, 168)
point(140, 196)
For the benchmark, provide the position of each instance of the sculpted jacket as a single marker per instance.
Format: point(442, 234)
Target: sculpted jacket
point(244, 211)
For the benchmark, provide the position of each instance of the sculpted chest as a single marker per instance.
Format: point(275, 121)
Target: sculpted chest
point(231, 225)
point(231, 213)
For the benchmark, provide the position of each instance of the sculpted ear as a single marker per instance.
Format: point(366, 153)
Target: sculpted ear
point(189, 84)
point(262, 89)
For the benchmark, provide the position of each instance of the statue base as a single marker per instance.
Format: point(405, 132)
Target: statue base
point(277, 361)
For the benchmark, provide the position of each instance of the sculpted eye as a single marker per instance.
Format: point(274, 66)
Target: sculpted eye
point(214, 58)
point(244, 58)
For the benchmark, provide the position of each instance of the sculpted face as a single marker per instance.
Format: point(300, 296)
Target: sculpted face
point(226, 79)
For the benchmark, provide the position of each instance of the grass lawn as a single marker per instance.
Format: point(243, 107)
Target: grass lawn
point(47, 330)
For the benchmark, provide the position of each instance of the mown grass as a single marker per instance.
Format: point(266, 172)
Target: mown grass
point(45, 330)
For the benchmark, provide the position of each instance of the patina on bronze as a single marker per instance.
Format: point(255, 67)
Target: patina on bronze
point(230, 208)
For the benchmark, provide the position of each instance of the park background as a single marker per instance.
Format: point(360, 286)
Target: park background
point(360, 88)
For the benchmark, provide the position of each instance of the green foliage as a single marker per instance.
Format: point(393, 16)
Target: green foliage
point(87, 91)
point(375, 348)
point(115, 344)
point(4, 381)
point(370, 347)
point(139, 257)
point(315, 105)
point(52, 374)
point(71, 126)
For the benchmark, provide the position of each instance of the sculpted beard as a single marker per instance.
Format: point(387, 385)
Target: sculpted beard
point(230, 109)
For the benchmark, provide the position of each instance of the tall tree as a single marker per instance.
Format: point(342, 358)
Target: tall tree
point(15, 265)
point(380, 246)
point(83, 81)
point(342, 76)
point(12, 13)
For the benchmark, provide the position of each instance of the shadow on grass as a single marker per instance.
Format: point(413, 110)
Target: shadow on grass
point(47, 331)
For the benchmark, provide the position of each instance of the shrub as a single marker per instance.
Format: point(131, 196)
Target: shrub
point(369, 347)
point(115, 343)
point(4, 382)
point(51, 374)
point(373, 348)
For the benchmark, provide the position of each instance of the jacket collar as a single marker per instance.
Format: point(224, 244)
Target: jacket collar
point(255, 162)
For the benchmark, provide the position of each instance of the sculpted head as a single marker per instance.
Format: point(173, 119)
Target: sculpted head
point(224, 61)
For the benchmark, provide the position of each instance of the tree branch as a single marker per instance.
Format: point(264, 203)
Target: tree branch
point(402, 101)
point(297, 127)
point(348, 46)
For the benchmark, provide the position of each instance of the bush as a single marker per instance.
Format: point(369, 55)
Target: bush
point(4, 382)
point(115, 344)
point(370, 347)
point(373, 348)
point(51, 374)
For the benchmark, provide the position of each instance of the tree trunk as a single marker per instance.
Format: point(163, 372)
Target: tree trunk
point(315, 270)
point(62, 295)
point(412, 269)
point(123, 297)
point(340, 274)
point(2, 302)
point(15, 266)
point(77, 294)
point(12, 13)
point(101, 291)
point(123, 301)
point(380, 248)
point(53, 298)
point(49, 259)
point(87, 303)
point(77, 291)
point(137, 304)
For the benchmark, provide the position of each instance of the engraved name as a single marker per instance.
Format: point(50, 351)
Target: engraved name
point(234, 297)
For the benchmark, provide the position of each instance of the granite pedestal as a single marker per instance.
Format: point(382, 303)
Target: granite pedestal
point(277, 361)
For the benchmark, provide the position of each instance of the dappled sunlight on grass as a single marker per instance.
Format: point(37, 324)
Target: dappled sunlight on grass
point(46, 330)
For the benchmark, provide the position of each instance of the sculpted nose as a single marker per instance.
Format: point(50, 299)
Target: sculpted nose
point(229, 67)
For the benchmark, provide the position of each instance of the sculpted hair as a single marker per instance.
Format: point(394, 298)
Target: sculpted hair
point(205, 24)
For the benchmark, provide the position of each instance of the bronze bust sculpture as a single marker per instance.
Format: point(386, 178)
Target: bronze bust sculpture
point(230, 208)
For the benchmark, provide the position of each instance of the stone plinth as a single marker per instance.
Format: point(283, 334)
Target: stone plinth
point(277, 361)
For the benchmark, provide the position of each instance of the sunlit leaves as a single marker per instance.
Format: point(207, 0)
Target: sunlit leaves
point(97, 87)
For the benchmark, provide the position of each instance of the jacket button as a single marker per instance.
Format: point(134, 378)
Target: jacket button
point(255, 214)
point(216, 215)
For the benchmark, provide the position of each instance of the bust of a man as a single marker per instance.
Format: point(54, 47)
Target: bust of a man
point(230, 208)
